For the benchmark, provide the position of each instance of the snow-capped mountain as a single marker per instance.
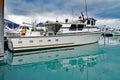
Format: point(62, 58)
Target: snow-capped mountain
point(10, 24)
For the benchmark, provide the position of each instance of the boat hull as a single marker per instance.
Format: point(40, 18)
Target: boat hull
point(44, 42)
point(116, 33)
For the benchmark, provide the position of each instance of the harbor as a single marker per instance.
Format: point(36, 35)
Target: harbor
point(59, 40)
point(95, 61)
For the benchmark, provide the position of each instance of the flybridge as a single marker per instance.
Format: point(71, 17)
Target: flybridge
point(1, 27)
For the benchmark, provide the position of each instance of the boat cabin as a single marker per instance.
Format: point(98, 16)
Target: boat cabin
point(82, 25)
point(90, 22)
point(52, 28)
point(72, 27)
point(31, 31)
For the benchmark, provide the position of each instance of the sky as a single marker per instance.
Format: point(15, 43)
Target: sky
point(106, 12)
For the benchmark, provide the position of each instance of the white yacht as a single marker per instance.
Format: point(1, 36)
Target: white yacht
point(57, 34)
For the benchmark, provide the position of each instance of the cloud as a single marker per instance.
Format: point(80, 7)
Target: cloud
point(109, 22)
point(18, 19)
point(43, 18)
point(52, 9)
point(100, 8)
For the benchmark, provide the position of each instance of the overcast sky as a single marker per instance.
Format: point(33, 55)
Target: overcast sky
point(105, 11)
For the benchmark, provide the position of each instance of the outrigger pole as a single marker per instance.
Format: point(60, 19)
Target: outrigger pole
point(1, 26)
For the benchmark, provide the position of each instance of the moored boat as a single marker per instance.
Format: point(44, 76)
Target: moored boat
point(57, 34)
point(116, 32)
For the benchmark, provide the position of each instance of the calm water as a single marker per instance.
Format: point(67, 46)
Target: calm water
point(90, 62)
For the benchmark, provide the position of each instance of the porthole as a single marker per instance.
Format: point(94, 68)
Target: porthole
point(57, 39)
point(19, 41)
point(40, 40)
point(49, 40)
point(31, 41)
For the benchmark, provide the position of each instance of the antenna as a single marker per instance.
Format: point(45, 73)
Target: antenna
point(86, 8)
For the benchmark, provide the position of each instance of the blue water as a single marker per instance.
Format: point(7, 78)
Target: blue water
point(89, 62)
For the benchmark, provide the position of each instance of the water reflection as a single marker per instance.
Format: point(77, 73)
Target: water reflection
point(1, 73)
point(71, 63)
point(52, 54)
point(114, 40)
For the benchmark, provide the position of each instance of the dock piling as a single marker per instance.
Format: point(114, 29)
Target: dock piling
point(1, 27)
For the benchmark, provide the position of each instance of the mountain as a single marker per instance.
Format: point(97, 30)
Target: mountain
point(10, 24)
point(40, 25)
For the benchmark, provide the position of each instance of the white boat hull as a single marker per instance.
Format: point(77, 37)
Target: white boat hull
point(42, 42)
point(66, 53)
point(116, 33)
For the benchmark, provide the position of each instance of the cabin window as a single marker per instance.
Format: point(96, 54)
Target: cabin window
point(40, 40)
point(57, 40)
point(50, 34)
point(49, 40)
point(31, 41)
point(88, 22)
point(27, 28)
point(73, 27)
point(80, 27)
point(19, 41)
point(92, 22)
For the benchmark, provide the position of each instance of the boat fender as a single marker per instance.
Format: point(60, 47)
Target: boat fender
point(10, 45)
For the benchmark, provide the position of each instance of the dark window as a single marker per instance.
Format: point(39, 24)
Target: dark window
point(88, 22)
point(40, 40)
point(80, 27)
point(27, 28)
point(57, 40)
point(50, 34)
point(31, 41)
point(73, 27)
point(92, 22)
point(49, 40)
point(19, 41)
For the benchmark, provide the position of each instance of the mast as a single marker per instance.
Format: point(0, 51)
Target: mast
point(1, 26)
point(86, 8)
point(73, 13)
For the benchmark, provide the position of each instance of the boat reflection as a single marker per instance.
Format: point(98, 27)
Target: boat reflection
point(59, 64)
point(114, 40)
point(52, 54)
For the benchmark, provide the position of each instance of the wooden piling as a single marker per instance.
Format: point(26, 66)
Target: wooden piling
point(1, 27)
